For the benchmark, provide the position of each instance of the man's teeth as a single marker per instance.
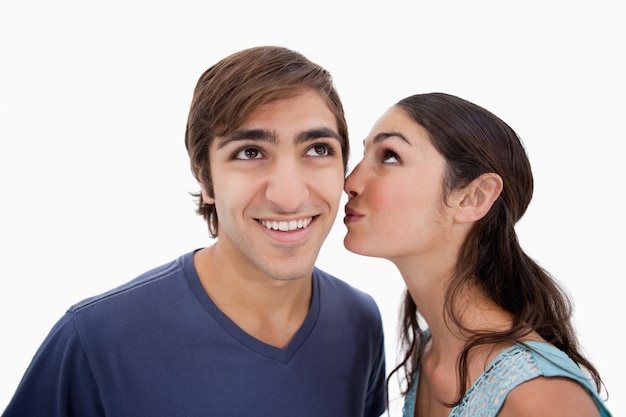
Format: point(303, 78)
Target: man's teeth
point(287, 226)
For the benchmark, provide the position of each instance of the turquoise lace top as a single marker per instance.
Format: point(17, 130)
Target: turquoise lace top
point(509, 369)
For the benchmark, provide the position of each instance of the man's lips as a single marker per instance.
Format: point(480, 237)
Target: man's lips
point(289, 231)
point(286, 225)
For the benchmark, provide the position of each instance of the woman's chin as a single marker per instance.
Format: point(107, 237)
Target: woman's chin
point(360, 247)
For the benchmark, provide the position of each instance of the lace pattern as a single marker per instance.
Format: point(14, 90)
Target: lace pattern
point(486, 395)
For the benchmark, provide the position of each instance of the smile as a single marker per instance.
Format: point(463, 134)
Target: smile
point(286, 226)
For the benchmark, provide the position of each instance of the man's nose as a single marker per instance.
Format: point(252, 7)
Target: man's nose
point(288, 186)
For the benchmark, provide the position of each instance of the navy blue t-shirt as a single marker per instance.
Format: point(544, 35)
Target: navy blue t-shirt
point(159, 346)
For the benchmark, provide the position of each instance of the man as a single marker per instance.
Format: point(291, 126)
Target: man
point(247, 326)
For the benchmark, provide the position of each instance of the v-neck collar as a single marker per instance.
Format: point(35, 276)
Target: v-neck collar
point(237, 333)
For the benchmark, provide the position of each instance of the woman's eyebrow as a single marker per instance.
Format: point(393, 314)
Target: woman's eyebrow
point(386, 135)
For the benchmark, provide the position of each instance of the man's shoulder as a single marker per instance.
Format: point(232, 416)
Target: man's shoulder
point(330, 285)
point(327, 279)
point(133, 291)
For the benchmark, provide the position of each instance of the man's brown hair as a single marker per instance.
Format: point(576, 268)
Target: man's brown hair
point(231, 90)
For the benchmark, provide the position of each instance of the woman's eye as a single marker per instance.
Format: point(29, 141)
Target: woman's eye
point(319, 149)
point(248, 153)
point(390, 157)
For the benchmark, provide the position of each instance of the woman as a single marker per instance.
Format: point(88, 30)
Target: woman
point(438, 192)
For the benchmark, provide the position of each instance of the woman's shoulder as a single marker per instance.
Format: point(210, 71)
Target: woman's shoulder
point(554, 384)
point(549, 396)
point(531, 378)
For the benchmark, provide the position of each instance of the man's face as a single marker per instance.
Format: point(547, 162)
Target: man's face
point(277, 182)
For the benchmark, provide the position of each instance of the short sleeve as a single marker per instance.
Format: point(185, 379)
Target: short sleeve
point(59, 381)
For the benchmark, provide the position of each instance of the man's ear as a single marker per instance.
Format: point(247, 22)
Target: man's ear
point(477, 198)
point(205, 195)
point(206, 198)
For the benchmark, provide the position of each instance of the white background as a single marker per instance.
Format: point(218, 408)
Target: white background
point(95, 178)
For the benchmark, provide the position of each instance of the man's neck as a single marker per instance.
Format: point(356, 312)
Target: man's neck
point(269, 310)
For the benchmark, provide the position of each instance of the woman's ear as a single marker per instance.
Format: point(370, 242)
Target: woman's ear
point(477, 198)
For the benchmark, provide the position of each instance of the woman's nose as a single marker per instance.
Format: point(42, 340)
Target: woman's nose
point(353, 183)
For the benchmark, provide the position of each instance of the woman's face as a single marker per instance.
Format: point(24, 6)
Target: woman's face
point(396, 203)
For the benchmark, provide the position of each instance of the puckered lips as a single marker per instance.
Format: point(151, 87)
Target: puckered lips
point(351, 215)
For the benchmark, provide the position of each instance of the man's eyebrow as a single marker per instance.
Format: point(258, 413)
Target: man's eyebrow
point(386, 135)
point(316, 133)
point(267, 136)
point(247, 134)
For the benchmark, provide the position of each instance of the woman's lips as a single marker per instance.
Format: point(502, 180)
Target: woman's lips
point(351, 215)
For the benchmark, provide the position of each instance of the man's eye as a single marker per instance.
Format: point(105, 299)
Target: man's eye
point(320, 149)
point(248, 153)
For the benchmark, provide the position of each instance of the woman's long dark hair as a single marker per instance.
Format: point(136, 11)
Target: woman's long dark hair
point(474, 141)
